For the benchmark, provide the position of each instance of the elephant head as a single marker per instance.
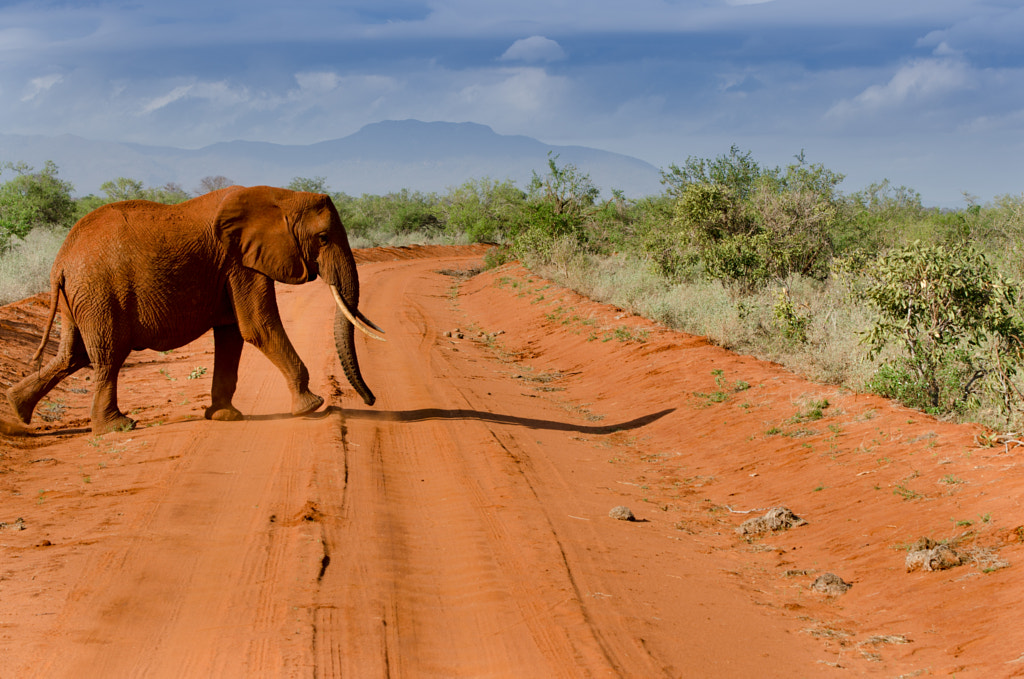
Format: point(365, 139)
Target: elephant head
point(294, 237)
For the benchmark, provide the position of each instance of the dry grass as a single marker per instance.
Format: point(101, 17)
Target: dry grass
point(25, 267)
point(832, 352)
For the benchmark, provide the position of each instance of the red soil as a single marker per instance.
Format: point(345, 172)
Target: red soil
point(460, 528)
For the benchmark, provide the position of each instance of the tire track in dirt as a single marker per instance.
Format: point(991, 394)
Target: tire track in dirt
point(458, 567)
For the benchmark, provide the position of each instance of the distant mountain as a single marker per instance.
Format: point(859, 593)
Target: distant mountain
point(379, 158)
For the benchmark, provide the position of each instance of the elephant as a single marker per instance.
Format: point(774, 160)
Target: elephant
point(141, 275)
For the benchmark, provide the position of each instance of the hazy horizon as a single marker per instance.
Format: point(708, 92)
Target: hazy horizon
point(926, 93)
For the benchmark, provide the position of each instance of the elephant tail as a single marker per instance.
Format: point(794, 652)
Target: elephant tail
point(58, 284)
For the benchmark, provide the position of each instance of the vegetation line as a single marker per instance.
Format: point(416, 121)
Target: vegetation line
point(871, 290)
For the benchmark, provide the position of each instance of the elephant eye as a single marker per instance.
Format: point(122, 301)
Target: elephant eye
point(322, 237)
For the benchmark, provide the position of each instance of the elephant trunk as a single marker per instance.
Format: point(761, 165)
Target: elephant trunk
point(347, 317)
point(344, 343)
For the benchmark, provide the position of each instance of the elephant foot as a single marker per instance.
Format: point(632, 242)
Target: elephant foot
point(306, 403)
point(20, 407)
point(116, 423)
point(223, 414)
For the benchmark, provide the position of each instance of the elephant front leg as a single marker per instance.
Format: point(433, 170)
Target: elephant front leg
point(227, 350)
point(281, 353)
point(259, 323)
point(106, 416)
point(294, 370)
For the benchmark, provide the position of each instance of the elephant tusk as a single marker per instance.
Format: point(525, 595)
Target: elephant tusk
point(357, 319)
point(366, 320)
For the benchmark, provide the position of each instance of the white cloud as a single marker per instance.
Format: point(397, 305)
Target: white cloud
point(534, 49)
point(220, 93)
point(317, 82)
point(920, 81)
point(524, 91)
point(39, 85)
point(165, 100)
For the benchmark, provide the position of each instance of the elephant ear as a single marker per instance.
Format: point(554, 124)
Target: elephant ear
point(254, 224)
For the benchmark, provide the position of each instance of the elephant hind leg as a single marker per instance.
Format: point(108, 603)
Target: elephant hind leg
point(106, 416)
point(71, 357)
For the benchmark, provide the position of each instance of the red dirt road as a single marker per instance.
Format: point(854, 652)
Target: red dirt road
point(460, 528)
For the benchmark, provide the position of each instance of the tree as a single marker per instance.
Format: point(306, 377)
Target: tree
point(169, 194)
point(483, 209)
point(213, 183)
point(799, 211)
point(559, 206)
point(310, 184)
point(567, 190)
point(123, 188)
point(738, 174)
point(33, 199)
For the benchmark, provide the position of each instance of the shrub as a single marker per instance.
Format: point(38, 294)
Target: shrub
point(213, 183)
point(953, 316)
point(398, 216)
point(875, 216)
point(33, 199)
point(737, 172)
point(790, 322)
point(711, 212)
point(559, 206)
point(483, 210)
point(123, 188)
point(496, 257)
point(749, 224)
point(566, 190)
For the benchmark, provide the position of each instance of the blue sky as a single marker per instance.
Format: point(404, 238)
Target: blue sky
point(926, 93)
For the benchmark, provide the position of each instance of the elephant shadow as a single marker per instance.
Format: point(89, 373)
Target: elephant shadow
point(419, 415)
point(433, 414)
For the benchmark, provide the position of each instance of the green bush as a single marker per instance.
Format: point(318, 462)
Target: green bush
point(33, 199)
point(711, 212)
point(750, 224)
point(737, 172)
point(790, 322)
point(876, 216)
point(381, 219)
point(559, 206)
point(483, 210)
point(953, 318)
